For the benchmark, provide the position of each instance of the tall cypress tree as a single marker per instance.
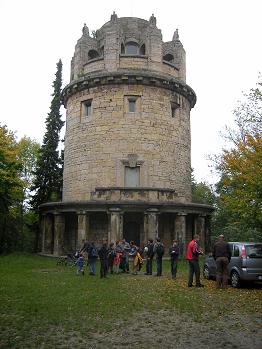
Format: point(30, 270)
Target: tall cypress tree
point(48, 174)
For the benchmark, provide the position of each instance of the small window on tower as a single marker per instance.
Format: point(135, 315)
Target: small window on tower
point(131, 48)
point(174, 109)
point(87, 108)
point(131, 105)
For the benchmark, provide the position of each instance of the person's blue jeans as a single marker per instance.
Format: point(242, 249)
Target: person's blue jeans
point(92, 266)
point(158, 266)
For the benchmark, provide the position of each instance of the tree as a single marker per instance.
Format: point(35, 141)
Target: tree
point(48, 175)
point(25, 219)
point(202, 192)
point(239, 213)
point(240, 186)
point(10, 184)
point(248, 117)
point(28, 151)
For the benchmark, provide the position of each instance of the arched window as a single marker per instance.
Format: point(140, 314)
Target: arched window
point(168, 58)
point(93, 54)
point(131, 48)
point(142, 50)
point(122, 49)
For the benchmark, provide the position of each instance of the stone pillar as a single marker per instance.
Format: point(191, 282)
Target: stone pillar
point(43, 219)
point(200, 229)
point(115, 226)
point(180, 231)
point(47, 234)
point(151, 224)
point(82, 228)
point(59, 230)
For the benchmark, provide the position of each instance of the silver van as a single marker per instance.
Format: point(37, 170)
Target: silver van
point(245, 264)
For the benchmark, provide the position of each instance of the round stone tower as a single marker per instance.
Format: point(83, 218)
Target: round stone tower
point(127, 170)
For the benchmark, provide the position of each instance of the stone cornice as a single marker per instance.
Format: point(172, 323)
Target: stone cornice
point(130, 77)
point(135, 206)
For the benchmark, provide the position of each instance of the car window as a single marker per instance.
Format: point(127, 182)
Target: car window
point(236, 251)
point(254, 251)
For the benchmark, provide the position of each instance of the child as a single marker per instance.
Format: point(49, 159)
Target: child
point(80, 265)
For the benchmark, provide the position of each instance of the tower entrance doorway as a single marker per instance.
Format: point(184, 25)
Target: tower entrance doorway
point(132, 228)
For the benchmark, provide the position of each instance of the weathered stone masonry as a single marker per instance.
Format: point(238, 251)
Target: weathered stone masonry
point(127, 168)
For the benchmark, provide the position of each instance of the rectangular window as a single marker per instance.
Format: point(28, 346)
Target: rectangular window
point(132, 176)
point(87, 108)
point(174, 109)
point(131, 105)
point(236, 251)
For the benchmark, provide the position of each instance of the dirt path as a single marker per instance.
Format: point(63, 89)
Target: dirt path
point(166, 329)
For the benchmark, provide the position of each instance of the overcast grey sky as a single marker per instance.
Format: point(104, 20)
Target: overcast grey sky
point(222, 39)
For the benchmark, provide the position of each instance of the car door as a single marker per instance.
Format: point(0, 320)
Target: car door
point(235, 262)
point(254, 260)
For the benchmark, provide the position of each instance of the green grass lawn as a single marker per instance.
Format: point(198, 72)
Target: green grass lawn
point(38, 298)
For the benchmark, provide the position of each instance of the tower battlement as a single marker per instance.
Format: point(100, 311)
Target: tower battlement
point(128, 43)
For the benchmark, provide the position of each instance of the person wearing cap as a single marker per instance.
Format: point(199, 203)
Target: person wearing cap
point(222, 256)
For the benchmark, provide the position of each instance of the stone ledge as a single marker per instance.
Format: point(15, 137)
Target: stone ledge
point(93, 60)
point(122, 55)
point(144, 194)
point(130, 77)
point(93, 206)
point(170, 64)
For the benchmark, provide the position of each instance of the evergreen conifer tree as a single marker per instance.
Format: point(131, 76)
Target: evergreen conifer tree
point(48, 174)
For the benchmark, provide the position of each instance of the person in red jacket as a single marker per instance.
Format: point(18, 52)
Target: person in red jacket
point(192, 255)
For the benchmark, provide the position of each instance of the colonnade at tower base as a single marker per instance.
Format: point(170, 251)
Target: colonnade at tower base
point(64, 226)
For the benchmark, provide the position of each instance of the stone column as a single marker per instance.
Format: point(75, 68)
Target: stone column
point(59, 230)
point(151, 224)
point(115, 226)
point(200, 229)
point(43, 219)
point(47, 234)
point(82, 228)
point(180, 231)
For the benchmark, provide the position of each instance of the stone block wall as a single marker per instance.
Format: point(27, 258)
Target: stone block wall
point(95, 146)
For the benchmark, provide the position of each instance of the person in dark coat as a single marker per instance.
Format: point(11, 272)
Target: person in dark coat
point(222, 256)
point(103, 255)
point(174, 254)
point(149, 251)
point(111, 256)
point(159, 252)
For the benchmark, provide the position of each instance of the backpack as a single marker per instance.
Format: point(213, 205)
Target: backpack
point(94, 252)
point(160, 250)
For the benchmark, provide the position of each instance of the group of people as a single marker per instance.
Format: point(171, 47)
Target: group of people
point(120, 256)
point(123, 256)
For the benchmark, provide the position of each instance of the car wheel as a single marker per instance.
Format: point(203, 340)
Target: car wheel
point(206, 273)
point(235, 279)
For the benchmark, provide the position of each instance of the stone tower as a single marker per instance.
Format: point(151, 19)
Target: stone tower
point(127, 169)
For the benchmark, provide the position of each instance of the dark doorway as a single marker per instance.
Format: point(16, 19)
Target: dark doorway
point(132, 232)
